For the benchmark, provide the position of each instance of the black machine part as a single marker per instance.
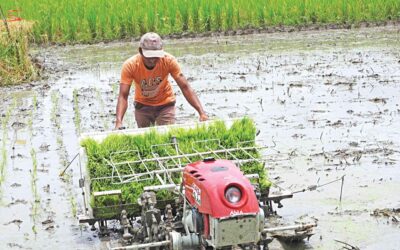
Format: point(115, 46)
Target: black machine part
point(197, 221)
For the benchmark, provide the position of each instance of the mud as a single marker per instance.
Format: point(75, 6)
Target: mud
point(326, 103)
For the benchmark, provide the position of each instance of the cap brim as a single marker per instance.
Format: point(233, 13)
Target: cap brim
point(153, 53)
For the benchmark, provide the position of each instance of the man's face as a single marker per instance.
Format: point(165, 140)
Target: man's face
point(150, 62)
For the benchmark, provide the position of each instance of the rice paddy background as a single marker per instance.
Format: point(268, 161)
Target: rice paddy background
point(94, 20)
point(90, 21)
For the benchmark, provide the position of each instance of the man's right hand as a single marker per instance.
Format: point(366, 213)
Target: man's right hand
point(118, 125)
point(203, 117)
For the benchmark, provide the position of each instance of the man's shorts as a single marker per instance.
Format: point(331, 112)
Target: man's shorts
point(147, 116)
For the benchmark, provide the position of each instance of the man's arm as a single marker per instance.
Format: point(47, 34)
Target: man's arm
point(122, 103)
point(191, 96)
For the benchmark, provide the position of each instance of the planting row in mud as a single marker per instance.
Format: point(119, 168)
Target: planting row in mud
point(134, 148)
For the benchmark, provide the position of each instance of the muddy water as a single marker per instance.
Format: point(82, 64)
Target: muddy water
point(326, 103)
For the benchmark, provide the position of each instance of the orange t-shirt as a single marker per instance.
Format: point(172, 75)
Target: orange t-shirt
point(151, 86)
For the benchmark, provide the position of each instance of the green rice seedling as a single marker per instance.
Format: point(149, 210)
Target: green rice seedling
point(203, 138)
point(30, 122)
point(54, 108)
point(67, 178)
point(3, 162)
point(102, 108)
point(31, 114)
point(74, 209)
point(36, 197)
point(4, 125)
point(34, 172)
point(77, 117)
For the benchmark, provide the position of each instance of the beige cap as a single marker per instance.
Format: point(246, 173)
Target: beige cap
point(151, 45)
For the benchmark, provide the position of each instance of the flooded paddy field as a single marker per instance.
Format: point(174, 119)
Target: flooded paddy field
point(326, 103)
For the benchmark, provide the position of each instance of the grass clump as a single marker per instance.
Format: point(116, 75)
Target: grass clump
point(15, 63)
point(135, 147)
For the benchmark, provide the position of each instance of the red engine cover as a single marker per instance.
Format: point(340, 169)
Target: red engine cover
point(205, 185)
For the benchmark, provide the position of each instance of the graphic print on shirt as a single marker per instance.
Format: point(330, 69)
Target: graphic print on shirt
point(150, 88)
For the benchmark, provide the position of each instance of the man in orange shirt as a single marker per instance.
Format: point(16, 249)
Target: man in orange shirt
point(154, 97)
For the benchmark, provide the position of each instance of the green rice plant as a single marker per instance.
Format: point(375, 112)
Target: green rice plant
point(54, 115)
point(151, 17)
point(206, 17)
point(67, 178)
point(217, 14)
point(184, 16)
point(261, 16)
point(74, 209)
point(171, 17)
point(34, 102)
point(92, 22)
point(36, 197)
point(34, 173)
point(31, 114)
point(71, 26)
point(77, 116)
point(195, 15)
point(4, 124)
point(229, 16)
point(3, 162)
point(199, 139)
point(102, 108)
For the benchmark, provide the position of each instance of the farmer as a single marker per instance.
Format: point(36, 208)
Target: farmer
point(154, 97)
